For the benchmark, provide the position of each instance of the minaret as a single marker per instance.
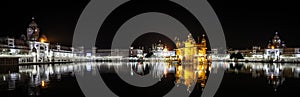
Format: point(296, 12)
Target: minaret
point(33, 31)
point(177, 42)
point(189, 37)
point(203, 41)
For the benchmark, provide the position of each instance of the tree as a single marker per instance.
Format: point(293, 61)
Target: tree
point(236, 56)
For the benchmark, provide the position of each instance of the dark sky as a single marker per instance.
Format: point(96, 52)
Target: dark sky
point(245, 22)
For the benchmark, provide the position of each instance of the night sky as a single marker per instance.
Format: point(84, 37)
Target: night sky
point(245, 22)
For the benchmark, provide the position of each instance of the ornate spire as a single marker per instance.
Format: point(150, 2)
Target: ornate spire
point(189, 36)
point(33, 23)
point(33, 31)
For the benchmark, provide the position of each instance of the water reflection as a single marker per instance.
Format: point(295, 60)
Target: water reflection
point(275, 73)
point(31, 79)
point(35, 78)
point(191, 74)
point(140, 68)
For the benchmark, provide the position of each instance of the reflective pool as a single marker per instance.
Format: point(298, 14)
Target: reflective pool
point(151, 79)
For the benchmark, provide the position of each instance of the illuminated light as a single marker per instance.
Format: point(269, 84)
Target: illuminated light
point(272, 46)
point(165, 71)
point(272, 76)
point(43, 84)
point(42, 40)
point(165, 50)
point(131, 73)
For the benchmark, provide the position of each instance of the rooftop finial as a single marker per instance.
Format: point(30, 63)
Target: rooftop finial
point(276, 33)
point(32, 18)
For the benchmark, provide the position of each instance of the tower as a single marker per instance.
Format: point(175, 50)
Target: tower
point(33, 31)
point(276, 41)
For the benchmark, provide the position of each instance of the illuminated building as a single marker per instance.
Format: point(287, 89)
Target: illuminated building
point(274, 48)
point(194, 63)
point(38, 45)
point(161, 51)
point(189, 49)
point(33, 47)
point(136, 52)
point(275, 51)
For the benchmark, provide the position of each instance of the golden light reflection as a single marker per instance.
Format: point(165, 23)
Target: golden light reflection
point(189, 74)
point(202, 74)
point(43, 84)
point(272, 77)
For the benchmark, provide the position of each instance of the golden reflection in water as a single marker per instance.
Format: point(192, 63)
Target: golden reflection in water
point(202, 74)
point(43, 84)
point(193, 61)
point(190, 74)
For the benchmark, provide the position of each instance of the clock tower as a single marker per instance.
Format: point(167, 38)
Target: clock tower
point(33, 31)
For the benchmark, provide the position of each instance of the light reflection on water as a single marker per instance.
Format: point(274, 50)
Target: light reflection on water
point(275, 73)
point(37, 77)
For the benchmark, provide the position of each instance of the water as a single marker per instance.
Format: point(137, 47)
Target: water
point(260, 80)
point(126, 79)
